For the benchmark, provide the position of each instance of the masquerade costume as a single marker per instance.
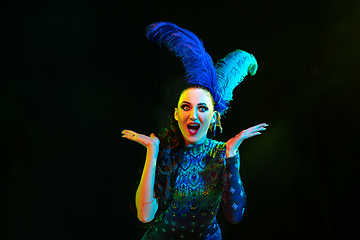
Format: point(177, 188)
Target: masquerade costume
point(205, 177)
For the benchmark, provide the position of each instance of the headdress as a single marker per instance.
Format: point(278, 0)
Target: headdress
point(220, 79)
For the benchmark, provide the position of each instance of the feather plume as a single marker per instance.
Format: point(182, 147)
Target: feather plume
point(231, 71)
point(197, 62)
point(220, 79)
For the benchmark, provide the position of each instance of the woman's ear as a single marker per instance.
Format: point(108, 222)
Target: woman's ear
point(213, 119)
point(176, 115)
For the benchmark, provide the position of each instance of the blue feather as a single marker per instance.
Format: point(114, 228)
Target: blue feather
point(231, 71)
point(197, 62)
point(221, 79)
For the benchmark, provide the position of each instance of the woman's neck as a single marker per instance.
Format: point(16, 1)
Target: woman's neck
point(201, 141)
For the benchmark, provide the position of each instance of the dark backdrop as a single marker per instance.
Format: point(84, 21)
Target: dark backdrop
point(74, 74)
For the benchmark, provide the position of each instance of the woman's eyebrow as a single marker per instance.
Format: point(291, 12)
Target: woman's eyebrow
point(186, 102)
point(191, 104)
point(202, 104)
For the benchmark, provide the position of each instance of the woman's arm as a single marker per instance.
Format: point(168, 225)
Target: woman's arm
point(234, 198)
point(145, 201)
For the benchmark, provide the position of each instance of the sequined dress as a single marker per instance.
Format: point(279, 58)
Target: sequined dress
point(205, 179)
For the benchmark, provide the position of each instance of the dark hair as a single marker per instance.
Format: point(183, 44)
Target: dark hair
point(171, 144)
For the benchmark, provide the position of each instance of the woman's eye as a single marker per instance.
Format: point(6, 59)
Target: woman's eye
point(185, 107)
point(203, 109)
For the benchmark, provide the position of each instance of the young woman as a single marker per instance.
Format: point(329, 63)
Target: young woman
point(187, 176)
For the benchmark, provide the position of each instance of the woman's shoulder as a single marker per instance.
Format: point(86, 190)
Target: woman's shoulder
point(216, 148)
point(216, 144)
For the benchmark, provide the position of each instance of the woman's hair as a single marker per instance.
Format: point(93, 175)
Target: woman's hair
point(170, 155)
point(171, 144)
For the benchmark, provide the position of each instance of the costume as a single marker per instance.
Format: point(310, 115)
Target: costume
point(205, 179)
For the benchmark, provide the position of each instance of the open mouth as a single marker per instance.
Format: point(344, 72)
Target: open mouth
point(193, 128)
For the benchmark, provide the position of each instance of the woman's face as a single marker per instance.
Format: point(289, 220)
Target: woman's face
point(194, 114)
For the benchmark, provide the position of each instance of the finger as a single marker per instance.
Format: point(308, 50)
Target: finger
point(250, 135)
point(260, 127)
point(128, 132)
point(130, 135)
point(127, 137)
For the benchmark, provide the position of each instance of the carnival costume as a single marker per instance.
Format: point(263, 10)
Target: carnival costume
point(205, 177)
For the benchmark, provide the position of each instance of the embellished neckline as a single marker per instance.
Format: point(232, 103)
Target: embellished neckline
point(197, 148)
point(197, 145)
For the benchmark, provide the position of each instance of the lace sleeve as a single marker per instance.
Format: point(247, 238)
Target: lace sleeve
point(233, 197)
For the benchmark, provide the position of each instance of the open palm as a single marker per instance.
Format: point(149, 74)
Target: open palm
point(146, 141)
point(235, 142)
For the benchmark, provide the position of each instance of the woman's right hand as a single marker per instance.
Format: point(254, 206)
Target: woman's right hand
point(146, 141)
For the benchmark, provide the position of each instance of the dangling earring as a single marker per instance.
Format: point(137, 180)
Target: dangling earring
point(218, 122)
point(215, 123)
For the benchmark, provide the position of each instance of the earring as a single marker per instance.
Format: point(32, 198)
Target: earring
point(214, 128)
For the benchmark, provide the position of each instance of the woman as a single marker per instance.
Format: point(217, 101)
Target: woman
point(186, 175)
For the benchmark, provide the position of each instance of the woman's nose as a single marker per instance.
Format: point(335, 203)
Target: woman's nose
point(193, 115)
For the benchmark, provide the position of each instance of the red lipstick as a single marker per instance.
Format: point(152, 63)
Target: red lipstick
point(193, 128)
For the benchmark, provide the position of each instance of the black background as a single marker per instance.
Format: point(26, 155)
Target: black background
point(74, 74)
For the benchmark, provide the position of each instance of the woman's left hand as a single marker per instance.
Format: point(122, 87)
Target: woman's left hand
point(235, 142)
